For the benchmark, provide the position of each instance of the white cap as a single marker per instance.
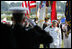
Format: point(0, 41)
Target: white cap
point(18, 9)
point(54, 21)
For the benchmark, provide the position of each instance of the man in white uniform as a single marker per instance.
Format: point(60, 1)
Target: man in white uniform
point(55, 32)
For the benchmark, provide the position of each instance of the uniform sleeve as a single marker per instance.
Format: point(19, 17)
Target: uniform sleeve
point(43, 35)
point(4, 27)
point(47, 29)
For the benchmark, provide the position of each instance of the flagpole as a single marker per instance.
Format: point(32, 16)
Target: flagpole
point(46, 11)
point(29, 9)
point(36, 10)
point(47, 8)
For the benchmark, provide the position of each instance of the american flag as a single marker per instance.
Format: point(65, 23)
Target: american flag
point(29, 5)
point(32, 4)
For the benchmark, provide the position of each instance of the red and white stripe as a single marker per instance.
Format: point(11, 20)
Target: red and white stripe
point(29, 5)
point(32, 4)
point(25, 5)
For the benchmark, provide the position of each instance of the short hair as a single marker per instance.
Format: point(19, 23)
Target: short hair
point(46, 19)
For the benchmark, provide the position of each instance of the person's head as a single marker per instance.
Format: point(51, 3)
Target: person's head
point(35, 19)
point(18, 15)
point(54, 22)
point(46, 19)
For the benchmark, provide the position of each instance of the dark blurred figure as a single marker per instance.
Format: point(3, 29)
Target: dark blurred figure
point(45, 23)
point(58, 23)
point(19, 37)
point(5, 31)
point(44, 26)
point(61, 30)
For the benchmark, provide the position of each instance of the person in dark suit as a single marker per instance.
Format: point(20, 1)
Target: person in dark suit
point(19, 37)
point(46, 23)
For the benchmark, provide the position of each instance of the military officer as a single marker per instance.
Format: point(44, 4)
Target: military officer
point(55, 32)
point(19, 37)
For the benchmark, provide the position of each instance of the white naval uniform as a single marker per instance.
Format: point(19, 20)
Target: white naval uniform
point(56, 34)
point(69, 41)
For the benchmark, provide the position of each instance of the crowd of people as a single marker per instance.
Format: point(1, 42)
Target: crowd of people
point(24, 33)
point(19, 35)
point(59, 32)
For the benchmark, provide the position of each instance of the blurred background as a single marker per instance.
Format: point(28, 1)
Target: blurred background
point(5, 5)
